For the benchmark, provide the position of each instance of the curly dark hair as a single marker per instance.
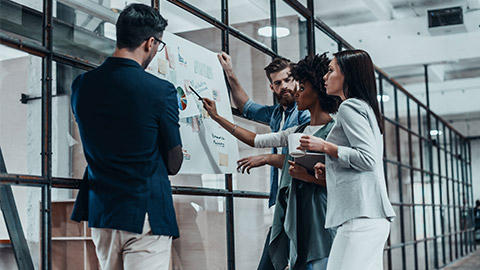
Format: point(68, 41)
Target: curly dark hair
point(312, 69)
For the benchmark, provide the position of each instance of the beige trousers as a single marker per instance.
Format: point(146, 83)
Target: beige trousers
point(118, 249)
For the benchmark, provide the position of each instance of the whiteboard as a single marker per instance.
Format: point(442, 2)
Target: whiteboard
point(207, 147)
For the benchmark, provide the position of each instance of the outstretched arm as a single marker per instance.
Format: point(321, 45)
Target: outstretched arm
point(242, 134)
point(251, 162)
point(239, 96)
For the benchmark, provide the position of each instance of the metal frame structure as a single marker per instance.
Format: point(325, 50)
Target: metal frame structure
point(453, 155)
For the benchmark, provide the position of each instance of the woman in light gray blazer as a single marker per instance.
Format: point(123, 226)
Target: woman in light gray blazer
point(358, 204)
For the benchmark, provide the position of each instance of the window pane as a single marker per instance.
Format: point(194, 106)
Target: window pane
point(190, 27)
point(390, 137)
point(392, 182)
point(395, 227)
point(423, 123)
point(71, 241)
point(294, 45)
point(202, 242)
point(20, 124)
point(416, 152)
point(86, 30)
point(252, 18)
point(248, 64)
point(252, 221)
point(212, 8)
point(35, 5)
point(414, 117)
point(406, 186)
point(388, 100)
point(402, 109)
point(27, 200)
point(68, 159)
point(408, 216)
point(259, 178)
point(404, 147)
point(24, 21)
point(303, 2)
point(324, 43)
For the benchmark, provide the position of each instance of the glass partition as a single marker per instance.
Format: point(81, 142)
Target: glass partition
point(292, 44)
point(22, 19)
point(253, 21)
point(20, 111)
point(202, 242)
point(68, 159)
point(27, 201)
point(253, 219)
point(324, 43)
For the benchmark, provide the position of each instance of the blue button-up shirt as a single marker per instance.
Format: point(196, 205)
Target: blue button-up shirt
point(272, 115)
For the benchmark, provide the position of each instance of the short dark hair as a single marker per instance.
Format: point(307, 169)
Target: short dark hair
point(312, 69)
point(359, 79)
point(277, 65)
point(136, 23)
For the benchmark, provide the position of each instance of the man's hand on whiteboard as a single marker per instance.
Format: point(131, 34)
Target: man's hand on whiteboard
point(239, 96)
point(226, 62)
point(211, 108)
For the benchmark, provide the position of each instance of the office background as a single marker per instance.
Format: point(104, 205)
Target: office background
point(428, 81)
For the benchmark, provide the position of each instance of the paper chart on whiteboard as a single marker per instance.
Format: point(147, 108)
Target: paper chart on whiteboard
point(207, 148)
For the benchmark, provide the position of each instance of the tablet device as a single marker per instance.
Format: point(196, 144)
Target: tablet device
point(310, 159)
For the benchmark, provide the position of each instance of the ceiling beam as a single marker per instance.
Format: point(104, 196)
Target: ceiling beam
point(92, 8)
point(437, 71)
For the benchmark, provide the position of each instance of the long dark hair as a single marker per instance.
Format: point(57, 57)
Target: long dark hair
point(311, 69)
point(359, 79)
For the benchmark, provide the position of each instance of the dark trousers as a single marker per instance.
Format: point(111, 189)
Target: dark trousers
point(265, 261)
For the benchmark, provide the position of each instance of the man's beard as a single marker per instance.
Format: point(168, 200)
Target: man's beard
point(285, 100)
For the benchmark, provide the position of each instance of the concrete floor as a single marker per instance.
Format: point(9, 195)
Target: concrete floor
point(470, 262)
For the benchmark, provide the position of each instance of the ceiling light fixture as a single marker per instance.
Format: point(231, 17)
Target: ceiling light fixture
point(266, 31)
point(383, 98)
point(435, 132)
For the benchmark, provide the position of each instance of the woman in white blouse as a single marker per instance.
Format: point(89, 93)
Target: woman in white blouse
point(358, 204)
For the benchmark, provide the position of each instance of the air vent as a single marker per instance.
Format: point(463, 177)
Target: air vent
point(446, 21)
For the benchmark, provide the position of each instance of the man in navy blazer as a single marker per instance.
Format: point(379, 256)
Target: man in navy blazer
point(128, 122)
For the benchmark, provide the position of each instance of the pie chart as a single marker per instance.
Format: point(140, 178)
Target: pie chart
point(182, 98)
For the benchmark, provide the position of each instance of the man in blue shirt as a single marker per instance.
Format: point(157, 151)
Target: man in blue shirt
point(128, 122)
point(280, 116)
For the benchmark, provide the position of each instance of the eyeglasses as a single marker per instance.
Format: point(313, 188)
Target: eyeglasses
point(162, 44)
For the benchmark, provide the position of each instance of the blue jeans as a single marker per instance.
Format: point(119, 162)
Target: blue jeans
point(265, 261)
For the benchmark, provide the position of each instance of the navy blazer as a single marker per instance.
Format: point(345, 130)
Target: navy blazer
point(128, 121)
